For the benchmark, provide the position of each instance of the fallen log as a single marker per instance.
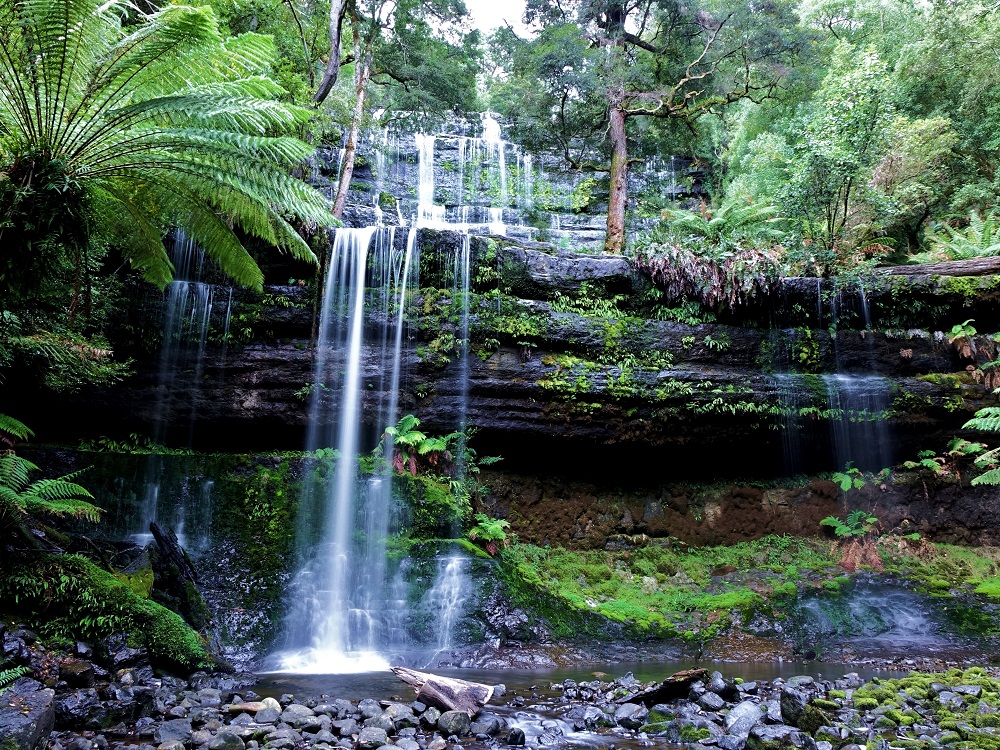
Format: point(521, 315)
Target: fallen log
point(971, 267)
point(446, 693)
point(676, 686)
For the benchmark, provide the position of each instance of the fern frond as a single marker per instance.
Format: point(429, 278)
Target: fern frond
point(991, 477)
point(15, 428)
point(986, 419)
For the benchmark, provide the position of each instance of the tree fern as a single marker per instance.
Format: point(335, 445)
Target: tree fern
point(143, 127)
point(980, 239)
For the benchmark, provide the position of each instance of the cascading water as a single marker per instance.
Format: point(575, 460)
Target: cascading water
point(447, 599)
point(344, 615)
point(191, 308)
point(859, 433)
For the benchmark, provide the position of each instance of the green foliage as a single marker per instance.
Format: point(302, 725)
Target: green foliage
point(492, 532)
point(987, 419)
point(23, 501)
point(851, 478)
point(979, 239)
point(857, 523)
point(8, 676)
point(68, 596)
point(136, 128)
point(414, 451)
point(60, 359)
point(714, 275)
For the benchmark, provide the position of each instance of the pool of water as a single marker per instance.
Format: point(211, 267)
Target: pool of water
point(384, 685)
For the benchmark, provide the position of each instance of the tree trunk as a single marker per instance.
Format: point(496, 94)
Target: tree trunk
point(446, 693)
point(362, 72)
point(614, 242)
point(337, 10)
point(970, 267)
point(676, 686)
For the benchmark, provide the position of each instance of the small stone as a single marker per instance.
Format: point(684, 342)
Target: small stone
point(429, 718)
point(438, 743)
point(346, 727)
point(171, 745)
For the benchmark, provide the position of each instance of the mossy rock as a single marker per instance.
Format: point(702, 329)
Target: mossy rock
point(826, 705)
point(811, 719)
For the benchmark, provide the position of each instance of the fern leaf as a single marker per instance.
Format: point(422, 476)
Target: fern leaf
point(15, 428)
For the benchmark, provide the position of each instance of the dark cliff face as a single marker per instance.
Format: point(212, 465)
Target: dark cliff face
point(550, 390)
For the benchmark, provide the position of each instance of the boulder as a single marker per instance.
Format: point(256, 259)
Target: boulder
point(777, 737)
point(793, 703)
point(743, 717)
point(174, 729)
point(372, 738)
point(631, 715)
point(27, 718)
point(454, 723)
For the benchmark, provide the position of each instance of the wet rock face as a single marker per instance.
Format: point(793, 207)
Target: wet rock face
point(27, 715)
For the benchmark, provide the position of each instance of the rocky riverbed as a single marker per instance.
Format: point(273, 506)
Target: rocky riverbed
point(109, 697)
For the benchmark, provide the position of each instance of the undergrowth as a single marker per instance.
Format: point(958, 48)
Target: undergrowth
point(68, 596)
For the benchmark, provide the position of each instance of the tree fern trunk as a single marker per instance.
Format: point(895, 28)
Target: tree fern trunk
point(615, 240)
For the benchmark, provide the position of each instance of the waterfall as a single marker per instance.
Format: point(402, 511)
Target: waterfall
point(429, 214)
point(859, 433)
point(447, 598)
point(343, 611)
point(191, 306)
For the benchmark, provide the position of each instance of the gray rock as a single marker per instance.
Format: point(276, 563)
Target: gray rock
point(773, 708)
point(487, 724)
point(27, 717)
point(743, 717)
point(174, 729)
point(382, 721)
point(369, 708)
point(372, 738)
point(81, 709)
point(454, 723)
point(515, 737)
point(226, 741)
point(346, 727)
point(407, 744)
point(267, 715)
point(429, 718)
point(793, 703)
point(588, 717)
point(210, 697)
point(731, 742)
point(974, 690)
point(631, 715)
point(171, 745)
point(948, 698)
point(711, 702)
point(772, 737)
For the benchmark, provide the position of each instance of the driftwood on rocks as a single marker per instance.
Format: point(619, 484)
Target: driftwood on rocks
point(446, 693)
point(971, 267)
point(676, 686)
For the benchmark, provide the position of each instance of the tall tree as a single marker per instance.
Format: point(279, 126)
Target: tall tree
point(396, 47)
point(670, 60)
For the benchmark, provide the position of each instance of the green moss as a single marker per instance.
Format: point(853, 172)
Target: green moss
point(825, 704)
point(690, 733)
point(69, 596)
point(812, 718)
point(837, 694)
point(863, 703)
point(989, 588)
